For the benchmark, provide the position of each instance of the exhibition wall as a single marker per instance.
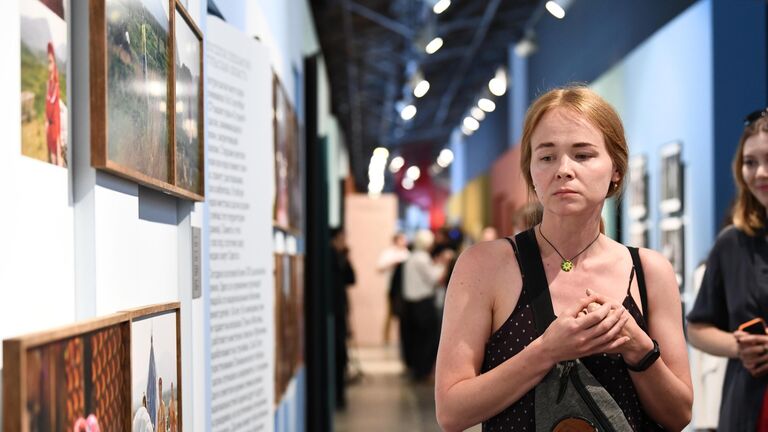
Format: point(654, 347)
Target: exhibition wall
point(371, 222)
point(83, 242)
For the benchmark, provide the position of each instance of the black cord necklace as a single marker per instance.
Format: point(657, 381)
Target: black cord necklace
point(567, 264)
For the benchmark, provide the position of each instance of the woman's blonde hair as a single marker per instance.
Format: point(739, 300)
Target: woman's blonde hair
point(748, 214)
point(588, 104)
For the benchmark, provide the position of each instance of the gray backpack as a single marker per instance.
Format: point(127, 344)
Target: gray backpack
point(569, 398)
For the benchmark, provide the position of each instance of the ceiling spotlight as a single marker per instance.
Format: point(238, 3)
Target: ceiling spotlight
point(434, 45)
point(441, 6)
point(466, 131)
point(471, 124)
point(477, 113)
point(421, 88)
point(558, 7)
point(408, 112)
point(381, 152)
point(413, 172)
point(486, 105)
point(527, 45)
point(498, 84)
point(407, 183)
point(396, 163)
point(445, 158)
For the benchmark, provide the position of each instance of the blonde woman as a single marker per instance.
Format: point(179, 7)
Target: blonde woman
point(491, 357)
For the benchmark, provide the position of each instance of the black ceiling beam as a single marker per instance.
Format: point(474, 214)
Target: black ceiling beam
point(445, 102)
point(422, 134)
point(353, 85)
point(383, 21)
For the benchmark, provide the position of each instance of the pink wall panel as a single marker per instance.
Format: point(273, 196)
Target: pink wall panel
point(508, 191)
point(370, 225)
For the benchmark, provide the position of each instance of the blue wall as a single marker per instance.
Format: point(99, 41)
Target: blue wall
point(740, 76)
point(594, 35)
point(663, 92)
point(483, 147)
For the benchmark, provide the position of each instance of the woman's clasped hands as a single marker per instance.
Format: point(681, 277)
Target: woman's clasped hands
point(593, 325)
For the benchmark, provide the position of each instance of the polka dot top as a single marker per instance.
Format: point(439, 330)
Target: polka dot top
point(519, 330)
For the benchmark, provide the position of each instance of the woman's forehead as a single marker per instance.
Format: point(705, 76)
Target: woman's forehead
point(757, 143)
point(565, 126)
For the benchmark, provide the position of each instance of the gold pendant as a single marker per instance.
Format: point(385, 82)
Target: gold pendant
point(566, 265)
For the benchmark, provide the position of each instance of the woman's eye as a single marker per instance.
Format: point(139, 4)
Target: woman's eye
point(749, 163)
point(546, 158)
point(582, 156)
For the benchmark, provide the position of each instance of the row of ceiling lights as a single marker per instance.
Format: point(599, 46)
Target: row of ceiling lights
point(408, 111)
point(413, 173)
point(471, 123)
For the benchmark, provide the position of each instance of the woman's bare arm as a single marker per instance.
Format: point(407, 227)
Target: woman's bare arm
point(665, 388)
point(712, 340)
point(464, 396)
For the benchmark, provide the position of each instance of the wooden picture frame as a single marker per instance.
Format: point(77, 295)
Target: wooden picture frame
point(672, 246)
point(55, 365)
point(45, 91)
point(281, 213)
point(184, 27)
point(156, 319)
point(132, 133)
point(671, 195)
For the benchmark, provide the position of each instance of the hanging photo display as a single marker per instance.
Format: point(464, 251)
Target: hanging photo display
point(188, 73)
point(671, 179)
point(155, 369)
point(44, 92)
point(673, 246)
point(72, 378)
point(134, 108)
point(288, 207)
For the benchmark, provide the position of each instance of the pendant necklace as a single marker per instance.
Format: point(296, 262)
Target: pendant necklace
point(567, 264)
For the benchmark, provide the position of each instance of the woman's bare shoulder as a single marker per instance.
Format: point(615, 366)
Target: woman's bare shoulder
point(484, 264)
point(654, 262)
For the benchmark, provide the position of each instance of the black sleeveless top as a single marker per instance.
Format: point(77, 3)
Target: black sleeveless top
point(520, 329)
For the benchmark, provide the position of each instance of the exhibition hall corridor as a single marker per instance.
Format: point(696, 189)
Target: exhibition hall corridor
point(383, 398)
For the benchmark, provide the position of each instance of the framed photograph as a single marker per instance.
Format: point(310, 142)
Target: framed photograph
point(280, 367)
point(188, 93)
point(155, 397)
point(673, 246)
point(44, 92)
point(283, 156)
point(71, 378)
point(638, 188)
point(671, 179)
point(132, 67)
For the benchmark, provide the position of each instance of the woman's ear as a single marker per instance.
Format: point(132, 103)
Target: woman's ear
point(616, 176)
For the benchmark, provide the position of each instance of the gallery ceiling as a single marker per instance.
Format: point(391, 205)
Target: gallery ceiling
point(375, 55)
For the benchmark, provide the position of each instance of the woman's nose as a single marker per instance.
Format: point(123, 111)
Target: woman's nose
point(564, 168)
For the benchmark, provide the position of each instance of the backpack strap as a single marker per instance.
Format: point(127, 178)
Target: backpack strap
point(640, 280)
point(535, 279)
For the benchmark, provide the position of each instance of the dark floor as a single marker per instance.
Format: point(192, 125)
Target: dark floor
point(383, 399)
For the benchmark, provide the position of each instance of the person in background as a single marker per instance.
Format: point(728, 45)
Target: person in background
point(343, 275)
point(390, 263)
point(162, 413)
point(489, 233)
point(53, 111)
point(419, 328)
point(734, 289)
point(574, 155)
